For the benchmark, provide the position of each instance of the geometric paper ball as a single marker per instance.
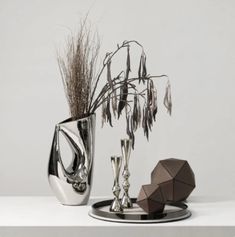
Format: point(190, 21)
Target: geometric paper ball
point(175, 177)
point(151, 198)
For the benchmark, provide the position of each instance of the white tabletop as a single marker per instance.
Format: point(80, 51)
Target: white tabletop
point(44, 216)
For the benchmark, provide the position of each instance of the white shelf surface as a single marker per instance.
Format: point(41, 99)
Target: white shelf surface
point(44, 216)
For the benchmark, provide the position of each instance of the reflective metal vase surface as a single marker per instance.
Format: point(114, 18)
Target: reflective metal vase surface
point(72, 185)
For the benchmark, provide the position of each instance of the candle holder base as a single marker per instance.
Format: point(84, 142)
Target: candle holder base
point(126, 202)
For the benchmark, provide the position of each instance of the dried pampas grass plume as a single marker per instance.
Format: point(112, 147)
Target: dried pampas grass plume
point(77, 68)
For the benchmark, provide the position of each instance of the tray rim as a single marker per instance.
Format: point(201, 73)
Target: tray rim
point(119, 217)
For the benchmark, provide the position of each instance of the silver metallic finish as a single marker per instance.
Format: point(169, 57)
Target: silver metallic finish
point(126, 151)
point(71, 185)
point(116, 162)
point(172, 212)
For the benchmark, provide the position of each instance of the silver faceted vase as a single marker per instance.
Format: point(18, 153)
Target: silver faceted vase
point(72, 184)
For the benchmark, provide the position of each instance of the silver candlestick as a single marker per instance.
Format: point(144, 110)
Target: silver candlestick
point(126, 151)
point(116, 162)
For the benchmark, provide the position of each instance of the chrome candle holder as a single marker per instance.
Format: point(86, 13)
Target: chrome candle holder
point(116, 162)
point(126, 151)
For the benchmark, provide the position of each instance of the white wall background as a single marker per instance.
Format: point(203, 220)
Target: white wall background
point(191, 41)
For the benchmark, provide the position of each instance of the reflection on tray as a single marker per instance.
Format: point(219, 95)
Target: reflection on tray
point(172, 212)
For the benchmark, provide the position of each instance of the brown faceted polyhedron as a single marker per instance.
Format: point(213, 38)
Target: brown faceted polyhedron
point(175, 177)
point(151, 198)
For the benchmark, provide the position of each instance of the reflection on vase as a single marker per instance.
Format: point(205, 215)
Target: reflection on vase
point(72, 185)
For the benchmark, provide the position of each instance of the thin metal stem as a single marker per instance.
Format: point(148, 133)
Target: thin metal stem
point(105, 63)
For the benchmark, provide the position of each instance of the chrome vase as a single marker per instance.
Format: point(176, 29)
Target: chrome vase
point(72, 184)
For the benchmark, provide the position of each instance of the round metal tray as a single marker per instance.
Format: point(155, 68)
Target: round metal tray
point(172, 212)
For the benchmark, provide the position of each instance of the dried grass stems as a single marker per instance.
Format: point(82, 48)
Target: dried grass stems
point(77, 69)
point(119, 94)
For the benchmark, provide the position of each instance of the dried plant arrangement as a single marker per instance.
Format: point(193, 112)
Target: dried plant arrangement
point(120, 93)
point(77, 69)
